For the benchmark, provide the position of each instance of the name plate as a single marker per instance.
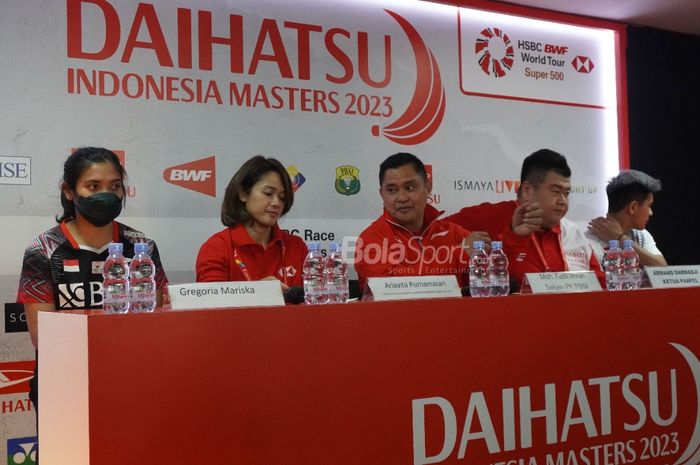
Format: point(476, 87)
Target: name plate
point(561, 282)
point(228, 294)
point(663, 277)
point(414, 287)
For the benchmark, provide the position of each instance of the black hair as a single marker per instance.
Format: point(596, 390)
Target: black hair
point(538, 163)
point(76, 164)
point(233, 209)
point(400, 159)
point(629, 186)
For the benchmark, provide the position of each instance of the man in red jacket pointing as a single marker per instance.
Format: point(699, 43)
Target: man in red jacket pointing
point(536, 236)
point(409, 239)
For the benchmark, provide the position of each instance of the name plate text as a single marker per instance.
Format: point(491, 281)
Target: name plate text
point(664, 277)
point(562, 282)
point(229, 294)
point(414, 287)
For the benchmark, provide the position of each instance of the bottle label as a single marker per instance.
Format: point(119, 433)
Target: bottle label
point(114, 298)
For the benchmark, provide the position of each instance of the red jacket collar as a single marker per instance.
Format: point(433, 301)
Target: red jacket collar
point(239, 235)
point(429, 216)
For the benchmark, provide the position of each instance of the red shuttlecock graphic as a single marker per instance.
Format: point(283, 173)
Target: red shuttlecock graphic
point(426, 109)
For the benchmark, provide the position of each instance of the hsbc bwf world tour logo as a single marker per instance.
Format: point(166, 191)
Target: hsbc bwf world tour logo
point(543, 61)
point(495, 52)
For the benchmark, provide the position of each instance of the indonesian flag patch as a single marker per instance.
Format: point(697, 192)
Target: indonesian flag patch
point(71, 266)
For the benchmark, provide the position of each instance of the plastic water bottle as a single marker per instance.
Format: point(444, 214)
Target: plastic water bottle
point(631, 270)
point(612, 265)
point(142, 281)
point(498, 270)
point(115, 284)
point(479, 285)
point(312, 275)
point(335, 273)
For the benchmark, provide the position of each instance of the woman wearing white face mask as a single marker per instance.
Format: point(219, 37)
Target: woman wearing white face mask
point(62, 267)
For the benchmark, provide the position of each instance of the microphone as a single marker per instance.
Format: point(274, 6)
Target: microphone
point(514, 286)
point(294, 295)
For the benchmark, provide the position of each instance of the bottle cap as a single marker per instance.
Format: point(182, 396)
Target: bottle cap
point(313, 246)
point(496, 245)
point(627, 244)
point(116, 247)
point(613, 244)
point(336, 247)
point(140, 248)
point(478, 244)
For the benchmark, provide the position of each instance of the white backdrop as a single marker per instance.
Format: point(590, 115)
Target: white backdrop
point(331, 88)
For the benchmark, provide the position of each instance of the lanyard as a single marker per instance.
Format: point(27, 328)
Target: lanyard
point(242, 266)
point(541, 253)
point(244, 269)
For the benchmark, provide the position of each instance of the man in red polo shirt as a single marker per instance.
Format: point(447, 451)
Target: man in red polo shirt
point(536, 236)
point(409, 239)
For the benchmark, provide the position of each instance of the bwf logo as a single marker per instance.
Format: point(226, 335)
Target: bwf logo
point(22, 451)
point(198, 175)
point(190, 175)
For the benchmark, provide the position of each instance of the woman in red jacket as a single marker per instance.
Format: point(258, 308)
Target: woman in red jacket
point(253, 247)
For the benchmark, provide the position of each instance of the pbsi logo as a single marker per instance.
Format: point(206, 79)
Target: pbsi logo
point(15, 376)
point(198, 176)
point(347, 180)
point(22, 451)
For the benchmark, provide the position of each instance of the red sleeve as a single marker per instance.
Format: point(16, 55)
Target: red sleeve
point(468, 218)
point(213, 261)
point(491, 218)
point(511, 240)
point(515, 245)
